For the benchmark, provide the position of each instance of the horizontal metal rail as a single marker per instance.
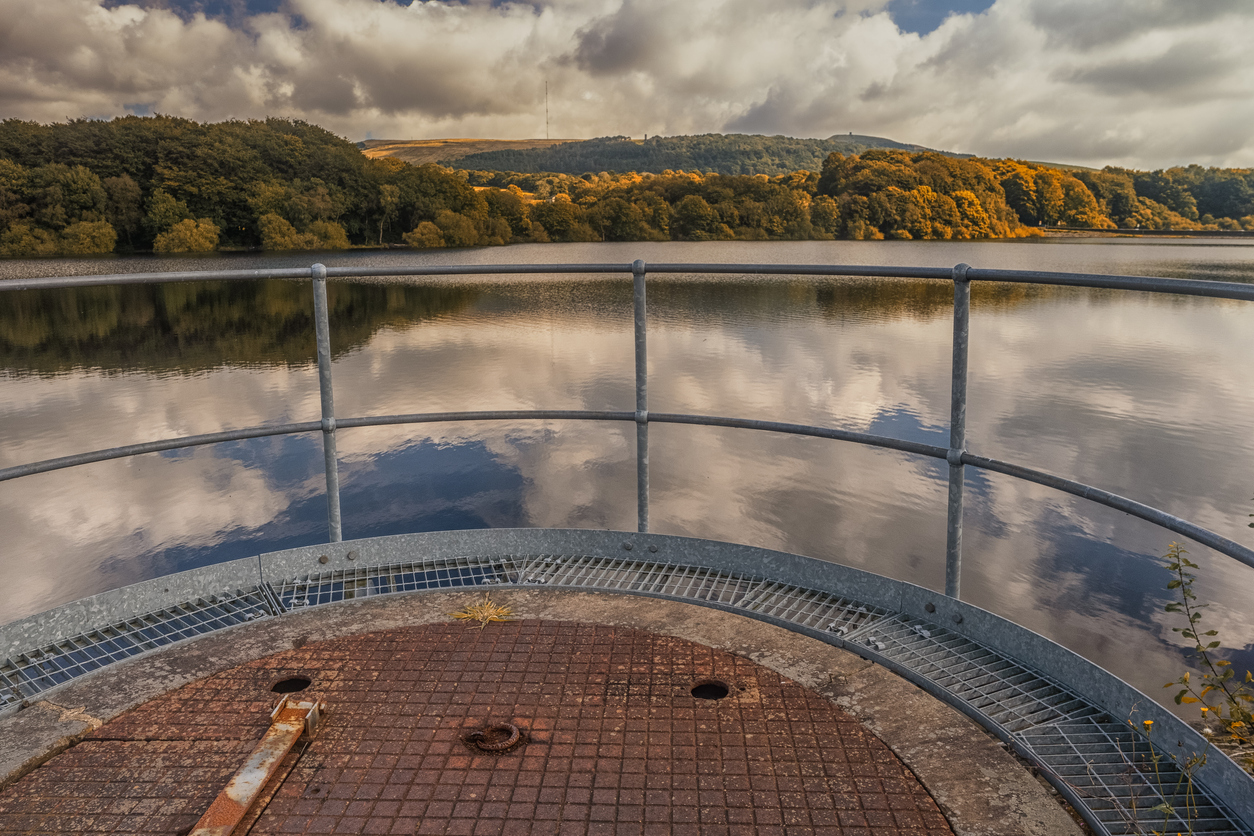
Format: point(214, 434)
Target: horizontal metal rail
point(1147, 284)
point(77, 459)
point(1111, 500)
point(1170, 522)
point(63, 462)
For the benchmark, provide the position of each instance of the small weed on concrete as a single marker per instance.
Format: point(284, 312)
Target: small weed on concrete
point(485, 612)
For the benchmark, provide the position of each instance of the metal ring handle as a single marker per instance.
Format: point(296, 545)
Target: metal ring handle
point(480, 738)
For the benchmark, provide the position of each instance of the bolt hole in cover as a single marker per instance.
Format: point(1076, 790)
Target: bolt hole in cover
point(710, 689)
point(291, 685)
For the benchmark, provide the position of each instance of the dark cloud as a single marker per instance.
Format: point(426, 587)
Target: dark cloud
point(326, 93)
point(1185, 68)
point(621, 42)
point(1084, 24)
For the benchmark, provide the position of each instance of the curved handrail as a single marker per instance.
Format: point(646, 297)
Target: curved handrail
point(1149, 284)
point(956, 456)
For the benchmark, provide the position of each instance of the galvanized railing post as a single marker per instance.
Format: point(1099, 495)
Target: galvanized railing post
point(957, 431)
point(642, 401)
point(322, 329)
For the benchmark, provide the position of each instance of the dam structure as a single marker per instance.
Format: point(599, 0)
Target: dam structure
point(626, 681)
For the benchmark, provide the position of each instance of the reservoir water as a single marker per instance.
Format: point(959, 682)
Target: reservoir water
point(1148, 396)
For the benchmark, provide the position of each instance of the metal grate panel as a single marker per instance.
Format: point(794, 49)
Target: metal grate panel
point(1109, 765)
point(414, 576)
point(1013, 696)
point(699, 584)
point(584, 571)
point(39, 669)
point(811, 608)
point(1113, 769)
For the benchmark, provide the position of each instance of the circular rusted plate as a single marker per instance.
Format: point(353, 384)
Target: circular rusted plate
point(617, 744)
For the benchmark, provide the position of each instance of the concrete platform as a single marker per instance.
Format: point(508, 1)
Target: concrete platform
point(810, 739)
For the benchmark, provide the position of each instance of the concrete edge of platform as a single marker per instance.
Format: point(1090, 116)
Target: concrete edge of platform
point(982, 788)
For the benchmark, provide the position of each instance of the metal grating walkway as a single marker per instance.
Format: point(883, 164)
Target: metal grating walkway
point(348, 584)
point(35, 671)
point(1109, 767)
point(1113, 770)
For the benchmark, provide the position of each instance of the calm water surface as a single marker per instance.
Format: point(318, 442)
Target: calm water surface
point(1147, 396)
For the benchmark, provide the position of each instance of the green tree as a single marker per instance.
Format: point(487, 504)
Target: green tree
point(825, 216)
point(389, 205)
point(696, 220)
point(330, 236)
point(188, 236)
point(60, 195)
point(457, 229)
point(562, 220)
point(424, 236)
point(617, 220)
point(508, 205)
point(13, 179)
point(278, 234)
point(88, 238)
point(124, 206)
point(164, 211)
point(23, 239)
point(1167, 188)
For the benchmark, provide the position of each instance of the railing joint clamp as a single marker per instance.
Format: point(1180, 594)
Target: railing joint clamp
point(960, 272)
point(642, 416)
point(328, 425)
point(954, 456)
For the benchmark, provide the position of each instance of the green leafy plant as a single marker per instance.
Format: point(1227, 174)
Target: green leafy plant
point(1225, 703)
point(1181, 802)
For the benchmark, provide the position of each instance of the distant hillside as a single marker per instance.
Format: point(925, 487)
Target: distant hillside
point(445, 151)
point(170, 185)
point(723, 153)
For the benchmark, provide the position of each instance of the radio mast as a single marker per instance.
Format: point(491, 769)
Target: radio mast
point(546, 108)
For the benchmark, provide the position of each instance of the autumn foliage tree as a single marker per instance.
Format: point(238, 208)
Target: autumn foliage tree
point(168, 184)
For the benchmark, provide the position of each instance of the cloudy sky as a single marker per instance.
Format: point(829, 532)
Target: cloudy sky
point(1145, 83)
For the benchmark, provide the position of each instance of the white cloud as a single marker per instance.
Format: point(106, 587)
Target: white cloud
point(1146, 84)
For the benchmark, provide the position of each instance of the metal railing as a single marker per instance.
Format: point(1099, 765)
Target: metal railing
point(955, 455)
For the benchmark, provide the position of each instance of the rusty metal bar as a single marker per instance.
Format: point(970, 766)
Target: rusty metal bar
point(291, 721)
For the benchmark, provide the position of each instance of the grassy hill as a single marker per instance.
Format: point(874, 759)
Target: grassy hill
point(723, 153)
point(446, 151)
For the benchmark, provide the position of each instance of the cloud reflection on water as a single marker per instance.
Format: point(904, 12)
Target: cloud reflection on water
point(1142, 396)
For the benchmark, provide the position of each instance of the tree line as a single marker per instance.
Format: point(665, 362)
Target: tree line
point(718, 153)
point(173, 185)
